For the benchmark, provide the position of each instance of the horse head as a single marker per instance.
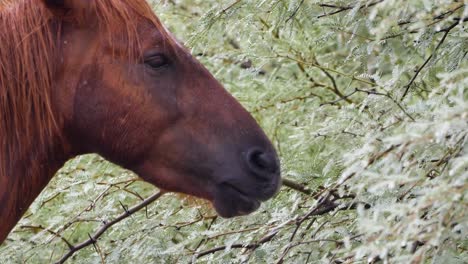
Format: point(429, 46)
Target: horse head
point(125, 88)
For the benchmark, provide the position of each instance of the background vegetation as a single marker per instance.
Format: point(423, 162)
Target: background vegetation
point(367, 103)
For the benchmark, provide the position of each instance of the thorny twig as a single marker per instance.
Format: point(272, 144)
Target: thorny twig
point(418, 71)
point(40, 227)
point(389, 97)
point(295, 11)
point(230, 6)
point(296, 186)
point(344, 8)
point(93, 238)
point(325, 205)
point(251, 246)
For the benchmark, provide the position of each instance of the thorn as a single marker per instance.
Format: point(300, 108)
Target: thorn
point(124, 207)
point(92, 239)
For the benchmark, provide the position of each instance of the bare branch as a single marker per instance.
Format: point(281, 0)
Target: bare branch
point(323, 206)
point(295, 11)
point(418, 71)
point(93, 238)
point(389, 97)
point(70, 246)
point(251, 246)
point(296, 186)
point(344, 8)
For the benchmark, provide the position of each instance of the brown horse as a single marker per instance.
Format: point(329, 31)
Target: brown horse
point(105, 76)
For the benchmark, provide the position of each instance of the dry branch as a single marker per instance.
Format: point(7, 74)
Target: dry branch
point(93, 238)
point(345, 8)
point(251, 246)
point(296, 186)
point(418, 71)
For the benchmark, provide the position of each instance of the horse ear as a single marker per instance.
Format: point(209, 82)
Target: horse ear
point(61, 7)
point(55, 3)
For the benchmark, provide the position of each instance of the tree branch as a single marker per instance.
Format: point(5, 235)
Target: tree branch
point(389, 97)
point(323, 206)
point(40, 227)
point(344, 8)
point(295, 11)
point(418, 71)
point(93, 238)
point(296, 186)
point(264, 240)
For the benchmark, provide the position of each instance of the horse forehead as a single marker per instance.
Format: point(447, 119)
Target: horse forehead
point(173, 39)
point(159, 34)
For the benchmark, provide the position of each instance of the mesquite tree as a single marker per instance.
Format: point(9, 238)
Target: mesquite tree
point(367, 104)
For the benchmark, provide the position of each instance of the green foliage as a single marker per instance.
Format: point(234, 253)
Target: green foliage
point(366, 101)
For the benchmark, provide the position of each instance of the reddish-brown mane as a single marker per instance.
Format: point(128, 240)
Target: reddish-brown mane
point(29, 42)
point(26, 67)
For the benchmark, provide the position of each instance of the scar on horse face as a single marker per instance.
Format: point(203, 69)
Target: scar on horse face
point(106, 77)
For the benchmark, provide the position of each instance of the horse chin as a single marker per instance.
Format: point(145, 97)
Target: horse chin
point(229, 202)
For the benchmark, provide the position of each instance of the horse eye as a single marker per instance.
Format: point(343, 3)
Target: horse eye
point(157, 61)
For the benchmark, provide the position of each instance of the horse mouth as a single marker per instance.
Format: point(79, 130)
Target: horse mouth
point(231, 201)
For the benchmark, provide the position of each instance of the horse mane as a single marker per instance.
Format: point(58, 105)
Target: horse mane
point(30, 40)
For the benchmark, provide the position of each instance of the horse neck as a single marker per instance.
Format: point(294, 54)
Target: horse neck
point(27, 175)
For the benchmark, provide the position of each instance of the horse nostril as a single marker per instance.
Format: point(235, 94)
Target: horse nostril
point(262, 163)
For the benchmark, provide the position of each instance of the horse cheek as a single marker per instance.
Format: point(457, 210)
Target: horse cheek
point(103, 117)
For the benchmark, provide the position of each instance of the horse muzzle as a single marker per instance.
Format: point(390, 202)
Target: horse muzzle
point(260, 180)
